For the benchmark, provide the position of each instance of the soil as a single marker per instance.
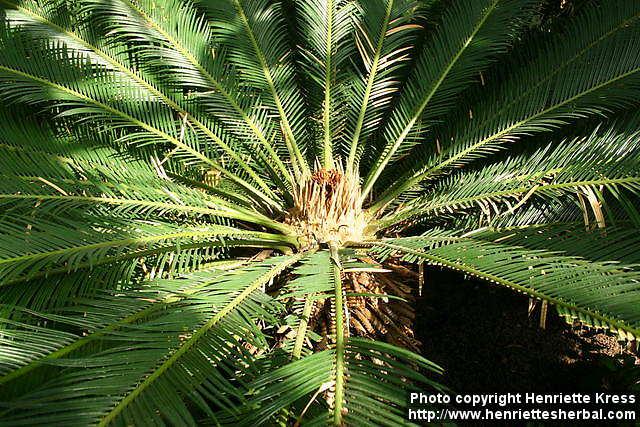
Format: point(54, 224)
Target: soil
point(485, 339)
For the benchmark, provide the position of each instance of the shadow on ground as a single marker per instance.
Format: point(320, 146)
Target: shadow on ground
point(484, 338)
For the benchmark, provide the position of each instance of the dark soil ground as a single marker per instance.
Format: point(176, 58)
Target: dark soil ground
point(484, 338)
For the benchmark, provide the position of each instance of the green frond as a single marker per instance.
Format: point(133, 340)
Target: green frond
point(547, 85)
point(253, 41)
point(27, 346)
point(601, 293)
point(465, 43)
point(313, 281)
point(34, 248)
point(46, 292)
point(77, 84)
point(349, 375)
point(605, 162)
point(51, 183)
point(385, 38)
point(617, 243)
point(168, 357)
point(377, 378)
point(325, 29)
point(618, 209)
point(194, 65)
point(103, 313)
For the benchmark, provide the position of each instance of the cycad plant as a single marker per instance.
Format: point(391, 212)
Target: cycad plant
point(208, 206)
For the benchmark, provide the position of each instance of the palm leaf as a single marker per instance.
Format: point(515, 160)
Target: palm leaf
point(350, 372)
point(559, 89)
point(598, 293)
point(468, 39)
point(32, 249)
point(580, 166)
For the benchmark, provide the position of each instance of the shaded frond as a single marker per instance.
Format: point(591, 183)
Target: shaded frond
point(605, 162)
point(314, 279)
point(601, 293)
point(168, 358)
point(33, 248)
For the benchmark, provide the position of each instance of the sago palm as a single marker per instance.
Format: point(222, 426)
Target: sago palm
point(207, 206)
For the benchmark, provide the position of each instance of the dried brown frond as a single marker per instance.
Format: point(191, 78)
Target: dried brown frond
point(379, 318)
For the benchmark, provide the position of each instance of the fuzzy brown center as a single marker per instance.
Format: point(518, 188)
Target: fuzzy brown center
point(327, 207)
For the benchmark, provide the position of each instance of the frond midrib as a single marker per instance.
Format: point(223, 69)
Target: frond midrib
point(327, 159)
point(379, 166)
point(436, 260)
point(188, 344)
point(339, 367)
point(537, 188)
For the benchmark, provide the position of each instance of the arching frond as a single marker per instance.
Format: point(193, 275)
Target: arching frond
point(195, 338)
point(599, 293)
point(54, 182)
point(34, 248)
point(465, 43)
point(378, 378)
point(544, 87)
point(196, 66)
point(607, 161)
